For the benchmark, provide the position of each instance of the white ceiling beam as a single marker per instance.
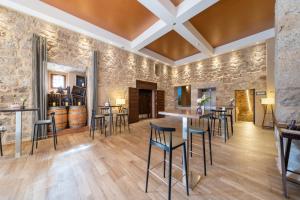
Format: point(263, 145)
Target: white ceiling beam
point(154, 32)
point(189, 8)
point(188, 32)
point(190, 59)
point(245, 42)
point(233, 46)
point(163, 9)
point(157, 56)
point(53, 15)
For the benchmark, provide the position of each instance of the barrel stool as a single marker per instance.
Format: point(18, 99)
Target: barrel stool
point(77, 116)
point(61, 117)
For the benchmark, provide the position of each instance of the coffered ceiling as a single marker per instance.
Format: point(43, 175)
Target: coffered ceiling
point(126, 18)
point(172, 46)
point(175, 32)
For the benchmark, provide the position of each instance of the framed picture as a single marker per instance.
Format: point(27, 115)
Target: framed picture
point(80, 81)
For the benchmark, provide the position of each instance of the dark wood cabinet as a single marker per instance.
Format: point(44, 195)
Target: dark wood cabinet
point(160, 102)
point(133, 107)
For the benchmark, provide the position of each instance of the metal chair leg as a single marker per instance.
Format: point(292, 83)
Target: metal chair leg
point(204, 154)
point(185, 170)
point(54, 136)
point(191, 144)
point(283, 169)
point(37, 135)
point(210, 153)
point(148, 166)
point(231, 122)
point(170, 175)
point(1, 145)
point(93, 126)
point(164, 164)
point(32, 140)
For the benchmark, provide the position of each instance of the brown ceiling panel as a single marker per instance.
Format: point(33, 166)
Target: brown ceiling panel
point(230, 20)
point(172, 46)
point(176, 2)
point(126, 18)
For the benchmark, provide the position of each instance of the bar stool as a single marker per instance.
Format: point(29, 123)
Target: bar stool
point(37, 127)
point(289, 135)
point(2, 130)
point(163, 138)
point(94, 119)
point(229, 114)
point(121, 118)
point(200, 131)
point(219, 116)
point(106, 112)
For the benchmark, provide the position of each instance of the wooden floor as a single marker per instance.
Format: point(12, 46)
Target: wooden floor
point(115, 168)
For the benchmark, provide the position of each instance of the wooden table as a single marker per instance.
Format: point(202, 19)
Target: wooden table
point(186, 115)
point(18, 128)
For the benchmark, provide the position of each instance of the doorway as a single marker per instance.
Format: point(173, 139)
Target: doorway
point(145, 104)
point(245, 105)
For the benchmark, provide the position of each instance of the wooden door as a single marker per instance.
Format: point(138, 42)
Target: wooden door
point(160, 102)
point(133, 105)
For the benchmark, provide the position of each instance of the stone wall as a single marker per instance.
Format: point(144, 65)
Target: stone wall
point(118, 69)
point(239, 70)
point(287, 68)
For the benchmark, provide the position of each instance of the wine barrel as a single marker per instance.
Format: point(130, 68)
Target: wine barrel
point(77, 116)
point(61, 117)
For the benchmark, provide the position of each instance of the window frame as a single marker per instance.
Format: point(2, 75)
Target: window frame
point(56, 74)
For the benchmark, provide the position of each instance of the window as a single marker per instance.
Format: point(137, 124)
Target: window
point(58, 81)
point(183, 95)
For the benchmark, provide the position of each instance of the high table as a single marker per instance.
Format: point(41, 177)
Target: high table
point(186, 115)
point(18, 128)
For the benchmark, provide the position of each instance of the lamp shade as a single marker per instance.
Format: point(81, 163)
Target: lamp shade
point(120, 101)
point(267, 101)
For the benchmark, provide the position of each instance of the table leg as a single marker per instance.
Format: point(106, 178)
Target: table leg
point(18, 134)
point(194, 178)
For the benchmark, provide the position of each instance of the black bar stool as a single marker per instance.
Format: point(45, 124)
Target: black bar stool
point(163, 138)
point(229, 114)
point(201, 131)
point(106, 112)
point(121, 118)
point(37, 127)
point(2, 130)
point(219, 115)
point(289, 135)
point(102, 122)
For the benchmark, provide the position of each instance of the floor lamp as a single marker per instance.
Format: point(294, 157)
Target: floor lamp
point(267, 102)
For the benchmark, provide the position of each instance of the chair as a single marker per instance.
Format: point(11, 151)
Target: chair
point(94, 119)
point(37, 127)
point(219, 116)
point(2, 130)
point(200, 131)
point(163, 138)
point(285, 153)
point(107, 112)
point(121, 118)
point(229, 114)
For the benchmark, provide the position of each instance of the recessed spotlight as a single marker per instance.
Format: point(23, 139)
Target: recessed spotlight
point(174, 23)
